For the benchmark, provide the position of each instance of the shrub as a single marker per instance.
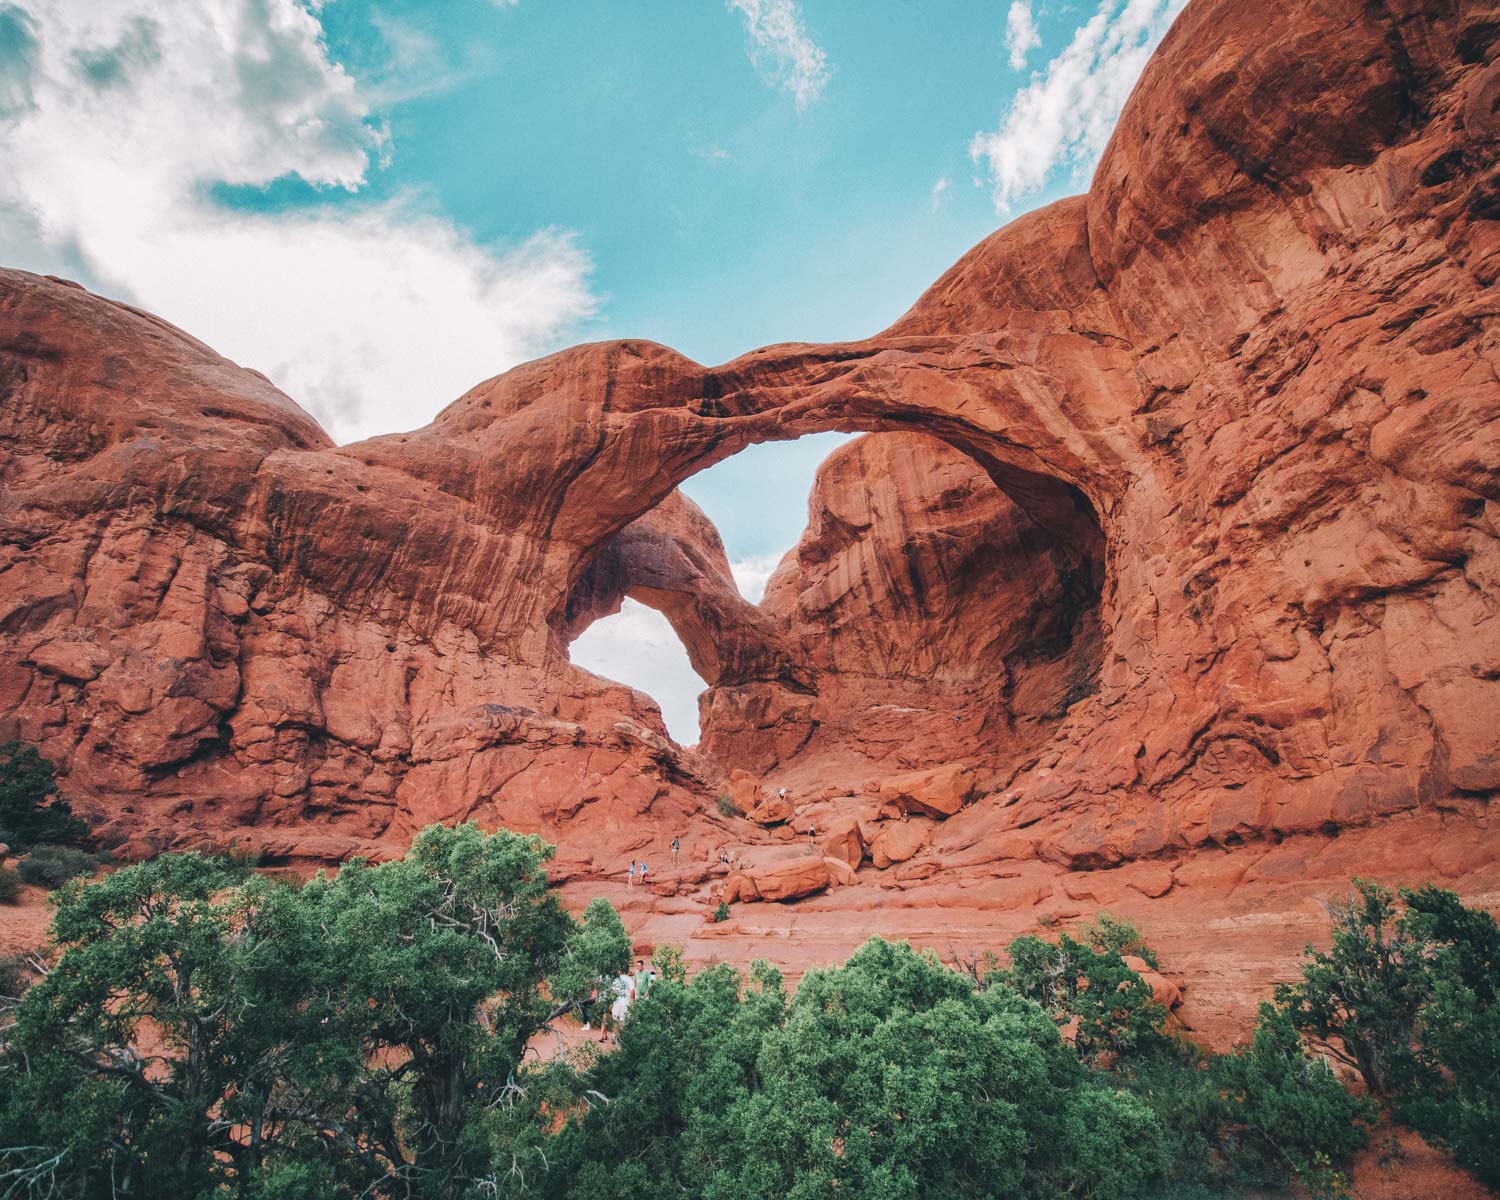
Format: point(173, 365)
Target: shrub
point(1455, 1095)
point(1120, 935)
point(1360, 999)
point(1409, 995)
point(724, 802)
point(1089, 982)
point(889, 1076)
point(10, 885)
point(1176, 1082)
point(241, 860)
point(12, 977)
point(1296, 1116)
point(30, 809)
point(53, 866)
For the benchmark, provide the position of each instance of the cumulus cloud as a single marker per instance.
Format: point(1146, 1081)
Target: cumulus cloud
point(782, 50)
point(1063, 119)
point(121, 126)
point(638, 647)
point(752, 574)
point(18, 60)
point(1021, 36)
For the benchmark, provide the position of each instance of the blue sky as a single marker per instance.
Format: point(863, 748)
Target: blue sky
point(379, 203)
point(719, 214)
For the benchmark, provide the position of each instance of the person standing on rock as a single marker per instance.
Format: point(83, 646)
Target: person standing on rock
point(676, 846)
point(630, 875)
point(643, 874)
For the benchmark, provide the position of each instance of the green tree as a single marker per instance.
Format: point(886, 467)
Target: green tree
point(890, 1076)
point(1360, 999)
point(1454, 1096)
point(1407, 995)
point(31, 811)
point(1295, 1114)
point(120, 1056)
point(1090, 983)
point(207, 1033)
point(440, 967)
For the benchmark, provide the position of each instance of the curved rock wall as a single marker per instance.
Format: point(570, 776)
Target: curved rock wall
point(932, 620)
point(1244, 391)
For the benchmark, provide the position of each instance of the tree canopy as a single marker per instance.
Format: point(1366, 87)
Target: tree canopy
point(206, 1032)
point(209, 1033)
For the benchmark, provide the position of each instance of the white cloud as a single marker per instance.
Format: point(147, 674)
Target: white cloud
point(1021, 36)
point(782, 50)
point(123, 117)
point(752, 574)
point(1063, 119)
point(638, 647)
point(939, 194)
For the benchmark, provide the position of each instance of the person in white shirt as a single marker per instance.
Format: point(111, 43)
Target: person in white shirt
point(622, 988)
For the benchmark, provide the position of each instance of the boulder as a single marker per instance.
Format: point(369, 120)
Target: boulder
point(897, 841)
point(739, 886)
point(844, 840)
point(770, 810)
point(745, 791)
point(792, 878)
point(938, 792)
point(840, 873)
point(1163, 990)
point(1153, 880)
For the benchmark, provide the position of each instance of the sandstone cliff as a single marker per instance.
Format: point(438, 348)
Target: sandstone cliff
point(1178, 532)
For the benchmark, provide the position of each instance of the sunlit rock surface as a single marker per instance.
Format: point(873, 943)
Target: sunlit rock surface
point(1175, 547)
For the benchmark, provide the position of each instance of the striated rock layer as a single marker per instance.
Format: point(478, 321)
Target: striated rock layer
point(1178, 533)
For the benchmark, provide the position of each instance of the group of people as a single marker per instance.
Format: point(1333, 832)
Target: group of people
point(638, 870)
point(623, 991)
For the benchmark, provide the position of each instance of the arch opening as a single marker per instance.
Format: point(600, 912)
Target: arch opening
point(925, 614)
point(638, 647)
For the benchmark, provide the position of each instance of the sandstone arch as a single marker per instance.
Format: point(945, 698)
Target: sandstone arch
point(1261, 350)
point(903, 631)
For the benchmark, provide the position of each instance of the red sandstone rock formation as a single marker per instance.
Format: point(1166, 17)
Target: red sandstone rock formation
point(931, 620)
point(1179, 532)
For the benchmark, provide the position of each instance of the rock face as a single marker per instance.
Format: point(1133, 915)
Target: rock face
point(929, 618)
point(1178, 527)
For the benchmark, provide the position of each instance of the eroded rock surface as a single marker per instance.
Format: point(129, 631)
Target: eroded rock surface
point(1177, 536)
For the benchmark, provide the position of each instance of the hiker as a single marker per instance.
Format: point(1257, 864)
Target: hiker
point(643, 874)
point(643, 979)
point(623, 991)
point(676, 846)
point(630, 875)
point(781, 795)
